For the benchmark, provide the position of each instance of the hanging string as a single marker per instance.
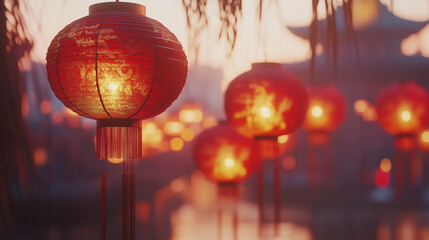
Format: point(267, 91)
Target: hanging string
point(219, 221)
point(312, 165)
point(277, 189)
point(132, 202)
point(398, 174)
point(125, 201)
point(327, 162)
point(260, 187)
point(235, 214)
point(103, 204)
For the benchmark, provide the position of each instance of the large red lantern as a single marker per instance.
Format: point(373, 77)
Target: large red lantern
point(119, 67)
point(227, 158)
point(403, 111)
point(326, 112)
point(265, 103)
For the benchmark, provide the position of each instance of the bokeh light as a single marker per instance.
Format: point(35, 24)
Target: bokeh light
point(176, 144)
point(385, 165)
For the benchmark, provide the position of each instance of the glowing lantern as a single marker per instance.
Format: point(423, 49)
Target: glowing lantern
point(326, 112)
point(327, 109)
point(227, 158)
point(223, 155)
point(265, 103)
point(403, 111)
point(117, 66)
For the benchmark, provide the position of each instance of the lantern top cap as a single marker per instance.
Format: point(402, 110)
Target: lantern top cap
point(261, 65)
point(126, 7)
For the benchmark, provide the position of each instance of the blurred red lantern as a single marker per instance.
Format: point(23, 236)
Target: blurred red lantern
point(265, 103)
point(403, 111)
point(326, 112)
point(117, 66)
point(327, 109)
point(224, 155)
point(403, 108)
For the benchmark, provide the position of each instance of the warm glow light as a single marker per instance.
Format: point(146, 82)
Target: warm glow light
point(265, 112)
point(406, 115)
point(224, 155)
point(425, 136)
point(45, 107)
point(267, 100)
point(229, 162)
point(361, 106)
point(191, 113)
point(115, 160)
point(151, 134)
point(289, 163)
point(150, 128)
point(317, 111)
point(385, 165)
point(113, 87)
point(70, 112)
point(176, 144)
point(282, 139)
point(187, 134)
point(40, 156)
point(262, 112)
point(173, 128)
point(370, 114)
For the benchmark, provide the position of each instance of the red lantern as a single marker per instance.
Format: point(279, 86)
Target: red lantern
point(326, 112)
point(119, 67)
point(265, 103)
point(225, 157)
point(327, 109)
point(403, 111)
